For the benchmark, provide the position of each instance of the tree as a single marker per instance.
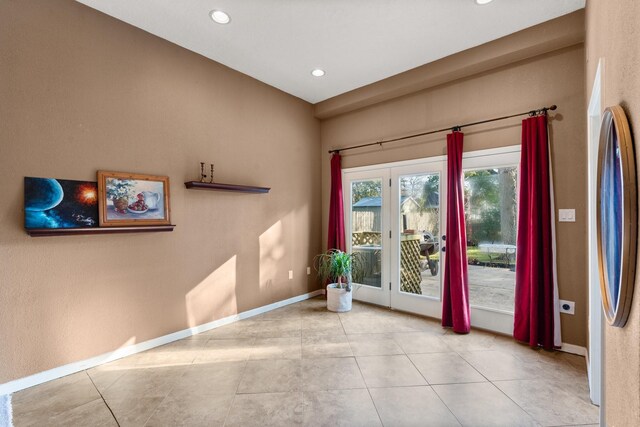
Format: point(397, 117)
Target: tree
point(362, 189)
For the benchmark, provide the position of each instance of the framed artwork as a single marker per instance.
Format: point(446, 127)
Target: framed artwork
point(616, 216)
point(133, 199)
point(60, 203)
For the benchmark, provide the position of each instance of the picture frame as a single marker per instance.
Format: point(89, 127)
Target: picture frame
point(130, 199)
point(617, 214)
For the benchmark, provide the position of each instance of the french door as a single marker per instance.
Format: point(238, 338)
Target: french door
point(396, 217)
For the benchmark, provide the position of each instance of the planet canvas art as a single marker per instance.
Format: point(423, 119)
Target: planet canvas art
point(133, 199)
point(60, 203)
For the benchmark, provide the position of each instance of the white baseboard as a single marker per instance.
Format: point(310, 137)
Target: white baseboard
point(573, 349)
point(72, 368)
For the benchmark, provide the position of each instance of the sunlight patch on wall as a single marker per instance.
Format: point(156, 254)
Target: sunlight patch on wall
point(272, 251)
point(214, 297)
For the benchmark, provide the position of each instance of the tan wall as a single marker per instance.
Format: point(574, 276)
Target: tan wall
point(552, 78)
point(81, 91)
point(612, 34)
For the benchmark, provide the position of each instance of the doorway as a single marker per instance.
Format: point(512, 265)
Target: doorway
point(396, 217)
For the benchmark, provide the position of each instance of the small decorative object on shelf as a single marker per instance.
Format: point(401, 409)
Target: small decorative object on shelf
point(202, 175)
point(211, 180)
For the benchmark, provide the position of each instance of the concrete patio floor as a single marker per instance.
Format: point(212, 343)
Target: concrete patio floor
point(489, 287)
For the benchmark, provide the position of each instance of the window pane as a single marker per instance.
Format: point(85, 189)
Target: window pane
point(366, 227)
point(491, 218)
point(419, 227)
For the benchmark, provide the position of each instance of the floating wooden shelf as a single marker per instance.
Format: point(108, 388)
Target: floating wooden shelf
point(216, 186)
point(42, 232)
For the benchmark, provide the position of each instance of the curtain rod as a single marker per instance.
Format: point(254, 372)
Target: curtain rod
point(451, 128)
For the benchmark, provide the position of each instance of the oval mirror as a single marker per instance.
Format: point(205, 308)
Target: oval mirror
point(617, 216)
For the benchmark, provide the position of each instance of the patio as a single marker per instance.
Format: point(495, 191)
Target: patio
point(489, 287)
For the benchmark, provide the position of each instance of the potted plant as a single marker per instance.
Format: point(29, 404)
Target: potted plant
point(340, 268)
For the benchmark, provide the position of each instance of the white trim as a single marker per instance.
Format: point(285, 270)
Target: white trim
point(573, 349)
point(71, 368)
point(595, 322)
point(435, 159)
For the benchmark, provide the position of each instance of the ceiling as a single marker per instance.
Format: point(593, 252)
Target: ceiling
point(356, 42)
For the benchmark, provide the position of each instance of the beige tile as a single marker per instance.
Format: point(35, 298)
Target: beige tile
point(411, 406)
point(549, 404)
point(326, 346)
point(145, 382)
point(289, 312)
point(39, 403)
point(104, 376)
point(331, 374)
point(389, 371)
point(133, 411)
point(473, 341)
point(482, 404)
point(325, 325)
point(373, 345)
point(499, 365)
point(269, 376)
point(181, 352)
point(213, 378)
point(219, 350)
point(237, 330)
point(445, 368)
point(266, 410)
point(94, 413)
point(420, 342)
point(276, 348)
point(351, 408)
point(192, 410)
point(276, 328)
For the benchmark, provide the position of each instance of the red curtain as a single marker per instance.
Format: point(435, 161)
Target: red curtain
point(336, 208)
point(535, 286)
point(455, 298)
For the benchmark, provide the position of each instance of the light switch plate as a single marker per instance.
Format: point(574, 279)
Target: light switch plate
point(308, 271)
point(566, 215)
point(290, 274)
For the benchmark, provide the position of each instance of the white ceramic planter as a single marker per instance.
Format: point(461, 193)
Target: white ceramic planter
point(338, 300)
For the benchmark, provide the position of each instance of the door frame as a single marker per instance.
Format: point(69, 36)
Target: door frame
point(596, 344)
point(366, 293)
point(484, 318)
point(420, 304)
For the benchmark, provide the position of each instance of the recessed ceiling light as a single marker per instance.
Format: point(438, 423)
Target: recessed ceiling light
point(220, 17)
point(481, 2)
point(317, 72)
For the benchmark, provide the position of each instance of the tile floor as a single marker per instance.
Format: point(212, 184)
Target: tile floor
point(302, 365)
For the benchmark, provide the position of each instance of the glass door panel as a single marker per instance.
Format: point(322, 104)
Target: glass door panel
point(417, 215)
point(367, 218)
point(491, 213)
point(419, 234)
point(366, 228)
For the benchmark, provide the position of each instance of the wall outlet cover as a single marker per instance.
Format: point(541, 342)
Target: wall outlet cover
point(567, 307)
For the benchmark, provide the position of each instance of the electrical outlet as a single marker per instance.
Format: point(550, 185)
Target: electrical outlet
point(567, 307)
point(290, 274)
point(566, 215)
point(308, 271)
